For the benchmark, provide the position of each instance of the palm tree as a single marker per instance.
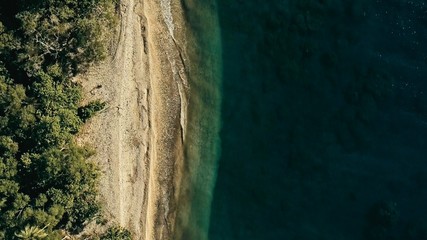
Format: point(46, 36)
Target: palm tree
point(32, 233)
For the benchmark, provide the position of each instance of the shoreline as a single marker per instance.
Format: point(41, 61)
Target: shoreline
point(149, 159)
point(169, 101)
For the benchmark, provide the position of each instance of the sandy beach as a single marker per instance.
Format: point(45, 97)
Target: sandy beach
point(139, 136)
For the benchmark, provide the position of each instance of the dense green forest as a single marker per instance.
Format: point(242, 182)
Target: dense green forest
point(47, 186)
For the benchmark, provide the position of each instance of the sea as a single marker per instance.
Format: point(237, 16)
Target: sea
point(312, 124)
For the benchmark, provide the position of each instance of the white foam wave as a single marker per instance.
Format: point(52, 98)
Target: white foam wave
point(167, 15)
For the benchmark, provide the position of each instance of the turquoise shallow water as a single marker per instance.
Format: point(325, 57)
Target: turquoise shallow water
point(324, 120)
point(202, 142)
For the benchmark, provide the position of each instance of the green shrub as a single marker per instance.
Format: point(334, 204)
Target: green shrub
point(116, 233)
point(89, 110)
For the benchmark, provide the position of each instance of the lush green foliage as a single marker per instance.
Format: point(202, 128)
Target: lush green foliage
point(116, 233)
point(46, 184)
point(89, 110)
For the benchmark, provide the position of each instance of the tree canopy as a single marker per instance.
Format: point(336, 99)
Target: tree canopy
point(46, 185)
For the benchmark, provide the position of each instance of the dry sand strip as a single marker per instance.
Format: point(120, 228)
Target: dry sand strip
point(139, 137)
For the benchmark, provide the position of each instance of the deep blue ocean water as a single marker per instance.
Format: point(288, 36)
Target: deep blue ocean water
point(324, 120)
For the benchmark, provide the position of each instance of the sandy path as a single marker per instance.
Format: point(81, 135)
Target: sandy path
point(139, 136)
point(121, 133)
